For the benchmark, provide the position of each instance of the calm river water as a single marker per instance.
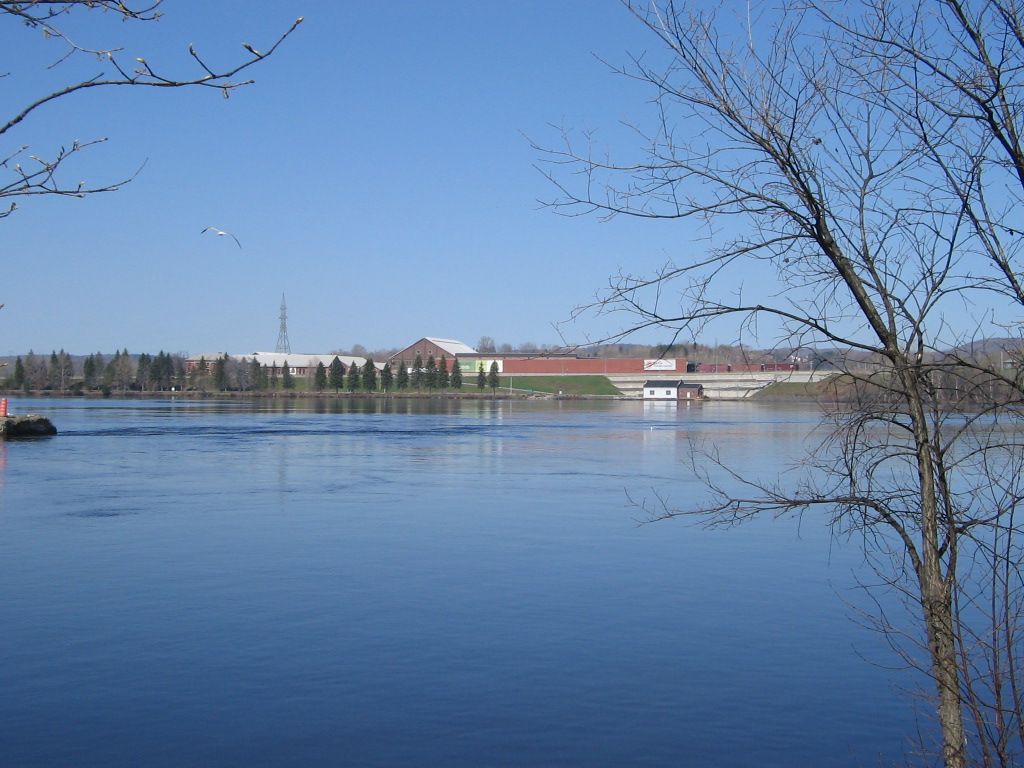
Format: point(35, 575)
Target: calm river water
point(412, 583)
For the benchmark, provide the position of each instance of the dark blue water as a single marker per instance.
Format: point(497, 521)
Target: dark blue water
point(420, 583)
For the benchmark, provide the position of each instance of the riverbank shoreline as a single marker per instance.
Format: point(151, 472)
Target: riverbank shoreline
point(293, 395)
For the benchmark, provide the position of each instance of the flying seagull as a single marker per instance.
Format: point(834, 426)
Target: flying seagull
point(221, 232)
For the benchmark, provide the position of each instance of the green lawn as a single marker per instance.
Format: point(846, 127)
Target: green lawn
point(567, 385)
point(829, 388)
point(790, 389)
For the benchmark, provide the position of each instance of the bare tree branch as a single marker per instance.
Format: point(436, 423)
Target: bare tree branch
point(868, 155)
point(39, 175)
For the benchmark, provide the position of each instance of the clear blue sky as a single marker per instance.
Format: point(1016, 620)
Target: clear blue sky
point(378, 174)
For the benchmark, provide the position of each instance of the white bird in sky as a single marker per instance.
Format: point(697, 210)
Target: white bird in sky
point(221, 232)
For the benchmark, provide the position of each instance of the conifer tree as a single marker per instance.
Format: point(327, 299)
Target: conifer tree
point(258, 375)
point(417, 373)
point(369, 377)
point(18, 379)
point(481, 377)
point(220, 373)
point(430, 374)
point(153, 375)
point(386, 377)
point(30, 370)
point(88, 372)
point(320, 377)
point(492, 377)
point(53, 372)
point(287, 379)
point(402, 377)
point(455, 380)
point(142, 369)
point(162, 371)
point(126, 371)
point(336, 375)
point(108, 369)
point(442, 373)
point(353, 379)
point(67, 370)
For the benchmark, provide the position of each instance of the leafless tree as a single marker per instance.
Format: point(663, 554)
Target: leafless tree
point(119, 372)
point(864, 162)
point(29, 173)
point(36, 373)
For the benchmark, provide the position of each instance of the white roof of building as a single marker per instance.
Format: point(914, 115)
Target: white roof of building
point(302, 359)
point(453, 346)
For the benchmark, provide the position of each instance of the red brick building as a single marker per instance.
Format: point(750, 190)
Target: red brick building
point(429, 346)
point(532, 363)
point(595, 366)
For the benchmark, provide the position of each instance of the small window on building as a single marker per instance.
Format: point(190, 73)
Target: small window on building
point(650, 391)
point(668, 391)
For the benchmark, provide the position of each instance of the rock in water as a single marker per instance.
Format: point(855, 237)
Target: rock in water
point(26, 426)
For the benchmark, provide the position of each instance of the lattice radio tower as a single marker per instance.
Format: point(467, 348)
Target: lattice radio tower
point(283, 345)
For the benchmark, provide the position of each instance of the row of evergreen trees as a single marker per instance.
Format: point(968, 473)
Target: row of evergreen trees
point(435, 375)
point(165, 372)
point(223, 373)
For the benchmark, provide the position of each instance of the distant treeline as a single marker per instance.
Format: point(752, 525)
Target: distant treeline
point(120, 372)
point(123, 373)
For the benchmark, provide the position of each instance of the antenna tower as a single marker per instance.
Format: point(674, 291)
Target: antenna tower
point(283, 345)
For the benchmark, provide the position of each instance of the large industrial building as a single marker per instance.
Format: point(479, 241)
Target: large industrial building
point(532, 363)
point(629, 375)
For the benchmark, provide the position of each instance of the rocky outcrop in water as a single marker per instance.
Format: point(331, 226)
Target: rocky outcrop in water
point(26, 426)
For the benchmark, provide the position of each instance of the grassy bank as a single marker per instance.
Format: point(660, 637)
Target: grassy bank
point(791, 389)
point(567, 385)
point(841, 388)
